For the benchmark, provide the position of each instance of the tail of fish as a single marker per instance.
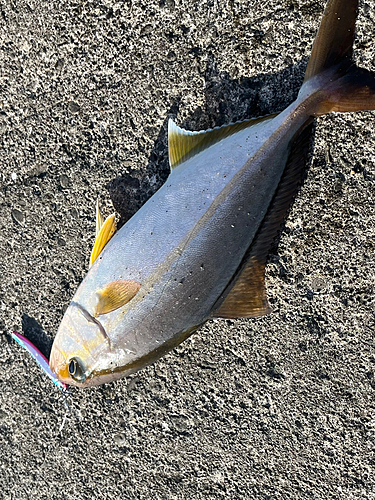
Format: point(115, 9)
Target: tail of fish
point(332, 83)
point(343, 86)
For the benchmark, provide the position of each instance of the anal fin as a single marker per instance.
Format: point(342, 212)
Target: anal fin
point(245, 296)
point(184, 144)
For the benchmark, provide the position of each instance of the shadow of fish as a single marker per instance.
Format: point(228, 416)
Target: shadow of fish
point(198, 248)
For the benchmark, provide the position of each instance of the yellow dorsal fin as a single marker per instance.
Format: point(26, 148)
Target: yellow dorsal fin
point(114, 295)
point(104, 232)
point(183, 144)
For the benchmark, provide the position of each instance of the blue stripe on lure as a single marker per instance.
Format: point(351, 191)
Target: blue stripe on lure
point(39, 358)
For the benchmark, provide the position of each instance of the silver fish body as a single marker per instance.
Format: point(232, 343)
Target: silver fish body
point(184, 247)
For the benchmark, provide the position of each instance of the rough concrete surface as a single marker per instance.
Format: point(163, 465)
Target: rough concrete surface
point(276, 408)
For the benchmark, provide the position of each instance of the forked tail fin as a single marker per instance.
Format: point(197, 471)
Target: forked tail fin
point(345, 86)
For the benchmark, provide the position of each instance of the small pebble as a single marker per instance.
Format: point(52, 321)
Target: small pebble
point(171, 57)
point(73, 107)
point(74, 213)
point(39, 170)
point(59, 64)
point(64, 181)
point(17, 216)
point(147, 29)
point(119, 439)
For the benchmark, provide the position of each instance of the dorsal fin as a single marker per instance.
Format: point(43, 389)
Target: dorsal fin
point(246, 295)
point(247, 298)
point(184, 144)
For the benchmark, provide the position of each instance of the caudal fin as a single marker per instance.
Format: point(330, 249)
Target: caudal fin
point(345, 86)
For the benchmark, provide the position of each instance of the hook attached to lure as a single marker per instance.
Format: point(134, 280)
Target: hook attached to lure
point(40, 359)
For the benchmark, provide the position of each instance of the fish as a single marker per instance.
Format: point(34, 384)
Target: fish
point(198, 248)
point(41, 360)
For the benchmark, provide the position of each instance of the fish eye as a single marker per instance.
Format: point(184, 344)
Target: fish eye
point(76, 370)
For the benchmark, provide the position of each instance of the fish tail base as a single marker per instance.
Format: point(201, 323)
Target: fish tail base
point(331, 70)
point(353, 91)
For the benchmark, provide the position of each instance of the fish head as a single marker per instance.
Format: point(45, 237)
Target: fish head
point(81, 350)
point(83, 353)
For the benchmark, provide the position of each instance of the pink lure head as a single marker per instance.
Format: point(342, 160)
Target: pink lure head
point(39, 358)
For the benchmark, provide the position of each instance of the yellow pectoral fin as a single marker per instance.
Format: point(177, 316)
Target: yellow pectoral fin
point(105, 233)
point(115, 294)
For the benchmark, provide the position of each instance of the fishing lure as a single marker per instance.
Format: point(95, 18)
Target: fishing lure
point(39, 358)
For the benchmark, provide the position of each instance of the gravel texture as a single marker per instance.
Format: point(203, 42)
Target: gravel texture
point(276, 408)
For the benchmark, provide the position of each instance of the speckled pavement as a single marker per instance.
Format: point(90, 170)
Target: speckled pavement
point(276, 408)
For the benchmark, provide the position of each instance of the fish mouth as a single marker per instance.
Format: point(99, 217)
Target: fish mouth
point(59, 366)
point(68, 355)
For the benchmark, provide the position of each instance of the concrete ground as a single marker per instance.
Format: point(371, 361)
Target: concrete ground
point(280, 407)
